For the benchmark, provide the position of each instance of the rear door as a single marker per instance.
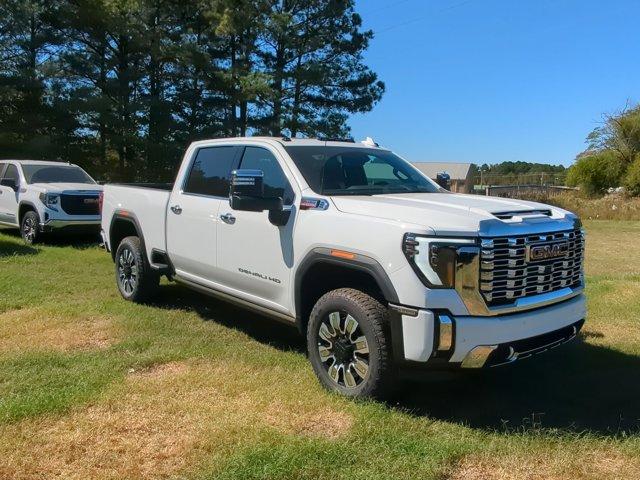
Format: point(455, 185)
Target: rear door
point(192, 213)
point(255, 257)
point(9, 197)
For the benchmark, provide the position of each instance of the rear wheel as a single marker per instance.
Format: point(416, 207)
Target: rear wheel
point(136, 280)
point(30, 227)
point(348, 344)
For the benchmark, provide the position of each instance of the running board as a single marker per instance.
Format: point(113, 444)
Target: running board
point(281, 317)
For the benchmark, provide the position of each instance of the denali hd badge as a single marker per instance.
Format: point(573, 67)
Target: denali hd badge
point(536, 253)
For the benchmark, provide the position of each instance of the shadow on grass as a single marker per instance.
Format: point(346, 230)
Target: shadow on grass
point(80, 241)
point(260, 328)
point(17, 248)
point(577, 387)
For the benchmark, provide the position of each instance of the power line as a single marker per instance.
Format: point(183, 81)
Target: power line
point(417, 19)
point(389, 5)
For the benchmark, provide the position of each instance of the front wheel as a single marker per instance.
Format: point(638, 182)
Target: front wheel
point(30, 228)
point(136, 280)
point(348, 344)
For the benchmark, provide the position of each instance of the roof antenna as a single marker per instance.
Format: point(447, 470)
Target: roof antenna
point(369, 142)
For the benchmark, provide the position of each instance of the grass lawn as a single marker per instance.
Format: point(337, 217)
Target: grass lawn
point(94, 387)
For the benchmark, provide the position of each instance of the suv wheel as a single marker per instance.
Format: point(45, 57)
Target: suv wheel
point(136, 280)
point(348, 346)
point(30, 227)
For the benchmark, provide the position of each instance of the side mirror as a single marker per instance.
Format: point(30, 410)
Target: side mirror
point(9, 182)
point(247, 192)
point(444, 180)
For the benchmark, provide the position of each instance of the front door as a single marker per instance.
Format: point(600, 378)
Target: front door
point(255, 257)
point(192, 213)
point(9, 197)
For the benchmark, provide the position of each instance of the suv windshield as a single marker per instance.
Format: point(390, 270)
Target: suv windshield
point(55, 174)
point(357, 171)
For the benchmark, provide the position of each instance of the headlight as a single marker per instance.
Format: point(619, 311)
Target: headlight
point(50, 200)
point(434, 258)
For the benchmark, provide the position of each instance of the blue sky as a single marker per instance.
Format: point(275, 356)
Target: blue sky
point(487, 81)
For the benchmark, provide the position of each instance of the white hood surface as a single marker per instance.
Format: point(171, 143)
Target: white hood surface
point(448, 213)
point(67, 187)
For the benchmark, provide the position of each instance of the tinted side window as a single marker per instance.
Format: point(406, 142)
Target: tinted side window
point(12, 172)
point(210, 171)
point(275, 183)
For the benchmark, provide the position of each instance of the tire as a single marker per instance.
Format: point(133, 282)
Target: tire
point(348, 344)
point(136, 280)
point(30, 228)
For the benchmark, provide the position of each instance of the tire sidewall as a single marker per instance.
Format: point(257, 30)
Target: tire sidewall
point(344, 304)
point(133, 246)
point(36, 218)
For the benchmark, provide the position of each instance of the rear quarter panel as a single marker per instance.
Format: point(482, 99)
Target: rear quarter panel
point(148, 206)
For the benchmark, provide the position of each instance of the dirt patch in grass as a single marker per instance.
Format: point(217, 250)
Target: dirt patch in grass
point(159, 370)
point(33, 329)
point(163, 421)
point(323, 422)
point(556, 465)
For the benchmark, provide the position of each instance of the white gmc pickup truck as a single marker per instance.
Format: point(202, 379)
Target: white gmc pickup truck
point(378, 266)
point(39, 196)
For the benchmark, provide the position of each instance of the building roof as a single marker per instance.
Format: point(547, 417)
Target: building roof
point(457, 171)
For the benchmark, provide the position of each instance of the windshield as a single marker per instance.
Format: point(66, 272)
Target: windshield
point(357, 171)
point(55, 174)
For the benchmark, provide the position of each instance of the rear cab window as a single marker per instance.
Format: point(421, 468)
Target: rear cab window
point(210, 171)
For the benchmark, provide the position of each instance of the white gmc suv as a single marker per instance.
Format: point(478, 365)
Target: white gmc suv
point(378, 266)
point(38, 196)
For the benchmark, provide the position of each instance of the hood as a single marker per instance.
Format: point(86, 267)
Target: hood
point(66, 187)
point(459, 214)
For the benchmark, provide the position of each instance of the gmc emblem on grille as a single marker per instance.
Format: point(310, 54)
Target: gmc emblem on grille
point(90, 201)
point(536, 253)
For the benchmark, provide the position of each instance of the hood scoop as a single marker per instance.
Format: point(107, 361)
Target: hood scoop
point(522, 214)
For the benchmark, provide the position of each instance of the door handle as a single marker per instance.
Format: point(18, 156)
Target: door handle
point(228, 218)
point(177, 209)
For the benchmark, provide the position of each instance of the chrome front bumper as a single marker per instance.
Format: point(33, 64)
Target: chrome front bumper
point(433, 337)
point(55, 224)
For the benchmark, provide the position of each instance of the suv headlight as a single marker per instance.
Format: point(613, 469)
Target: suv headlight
point(50, 200)
point(434, 258)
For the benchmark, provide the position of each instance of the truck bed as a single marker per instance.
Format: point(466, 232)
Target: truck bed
point(146, 203)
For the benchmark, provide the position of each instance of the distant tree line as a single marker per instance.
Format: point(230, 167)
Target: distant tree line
point(612, 158)
point(520, 173)
point(516, 168)
point(122, 86)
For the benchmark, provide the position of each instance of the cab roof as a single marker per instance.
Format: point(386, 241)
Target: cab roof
point(287, 142)
point(35, 162)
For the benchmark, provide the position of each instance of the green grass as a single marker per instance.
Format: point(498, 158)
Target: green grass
point(92, 386)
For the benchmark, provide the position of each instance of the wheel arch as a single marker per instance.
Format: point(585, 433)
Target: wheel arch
point(24, 207)
point(320, 272)
point(124, 224)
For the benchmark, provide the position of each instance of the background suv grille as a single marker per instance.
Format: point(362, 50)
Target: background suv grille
point(507, 272)
point(86, 204)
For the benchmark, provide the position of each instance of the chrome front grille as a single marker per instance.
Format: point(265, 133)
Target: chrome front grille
point(522, 266)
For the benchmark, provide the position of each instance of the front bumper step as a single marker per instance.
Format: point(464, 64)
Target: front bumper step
point(494, 355)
